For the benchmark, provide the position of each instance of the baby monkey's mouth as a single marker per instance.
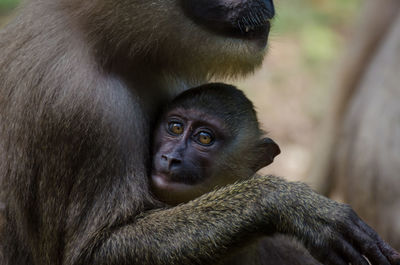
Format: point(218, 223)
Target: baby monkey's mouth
point(164, 185)
point(176, 178)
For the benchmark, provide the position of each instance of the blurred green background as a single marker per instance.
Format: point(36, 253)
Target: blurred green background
point(292, 89)
point(7, 5)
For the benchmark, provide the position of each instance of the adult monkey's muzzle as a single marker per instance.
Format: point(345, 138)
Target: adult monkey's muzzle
point(245, 19)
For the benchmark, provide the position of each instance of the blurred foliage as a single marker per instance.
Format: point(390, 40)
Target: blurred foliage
point(7, 5)
point(316, 24)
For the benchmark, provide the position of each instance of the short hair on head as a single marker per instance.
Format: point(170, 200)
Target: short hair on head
point(222, 100)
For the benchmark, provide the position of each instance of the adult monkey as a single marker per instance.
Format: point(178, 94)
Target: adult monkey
point(80, 81)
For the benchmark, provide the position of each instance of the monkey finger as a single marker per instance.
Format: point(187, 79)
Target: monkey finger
point(364, 239)
point(374, 254)
point(392, 255)
point(350, 253)
point(368, 247)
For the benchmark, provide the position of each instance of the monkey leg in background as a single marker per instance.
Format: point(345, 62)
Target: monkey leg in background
point(360, 149)
point(367, 160)
point(367, 38)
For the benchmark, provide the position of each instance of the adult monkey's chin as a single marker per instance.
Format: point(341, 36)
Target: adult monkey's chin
point(242, 19)
point(227, 38)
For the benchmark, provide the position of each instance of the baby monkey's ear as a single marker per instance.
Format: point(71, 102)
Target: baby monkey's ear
point(267, 151)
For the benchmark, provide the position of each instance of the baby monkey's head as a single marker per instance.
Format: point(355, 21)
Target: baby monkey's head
point(208, 137)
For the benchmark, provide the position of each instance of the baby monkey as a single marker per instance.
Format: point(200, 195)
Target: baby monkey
point(208, 137)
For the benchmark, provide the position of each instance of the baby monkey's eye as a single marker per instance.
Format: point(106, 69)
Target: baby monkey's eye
point(204, 138)
point(175, 128)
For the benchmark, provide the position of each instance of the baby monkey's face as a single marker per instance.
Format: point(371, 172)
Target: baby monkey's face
point(208, 138)
point(187, 148)
point(196, 151)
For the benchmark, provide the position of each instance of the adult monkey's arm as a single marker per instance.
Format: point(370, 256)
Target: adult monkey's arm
point(204, 229)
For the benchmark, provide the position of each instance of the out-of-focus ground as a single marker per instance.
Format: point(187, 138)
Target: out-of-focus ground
point(292, 90)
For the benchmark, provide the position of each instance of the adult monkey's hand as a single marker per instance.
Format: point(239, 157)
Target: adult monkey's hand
point(331, 231)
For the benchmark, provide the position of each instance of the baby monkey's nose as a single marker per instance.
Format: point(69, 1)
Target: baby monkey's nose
point(173, 161)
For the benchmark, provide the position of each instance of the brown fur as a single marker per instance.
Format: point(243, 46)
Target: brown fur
point(80, 82)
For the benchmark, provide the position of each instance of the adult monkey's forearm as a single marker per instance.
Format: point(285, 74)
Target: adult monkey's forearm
point(203, 230)
point(194, 233)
